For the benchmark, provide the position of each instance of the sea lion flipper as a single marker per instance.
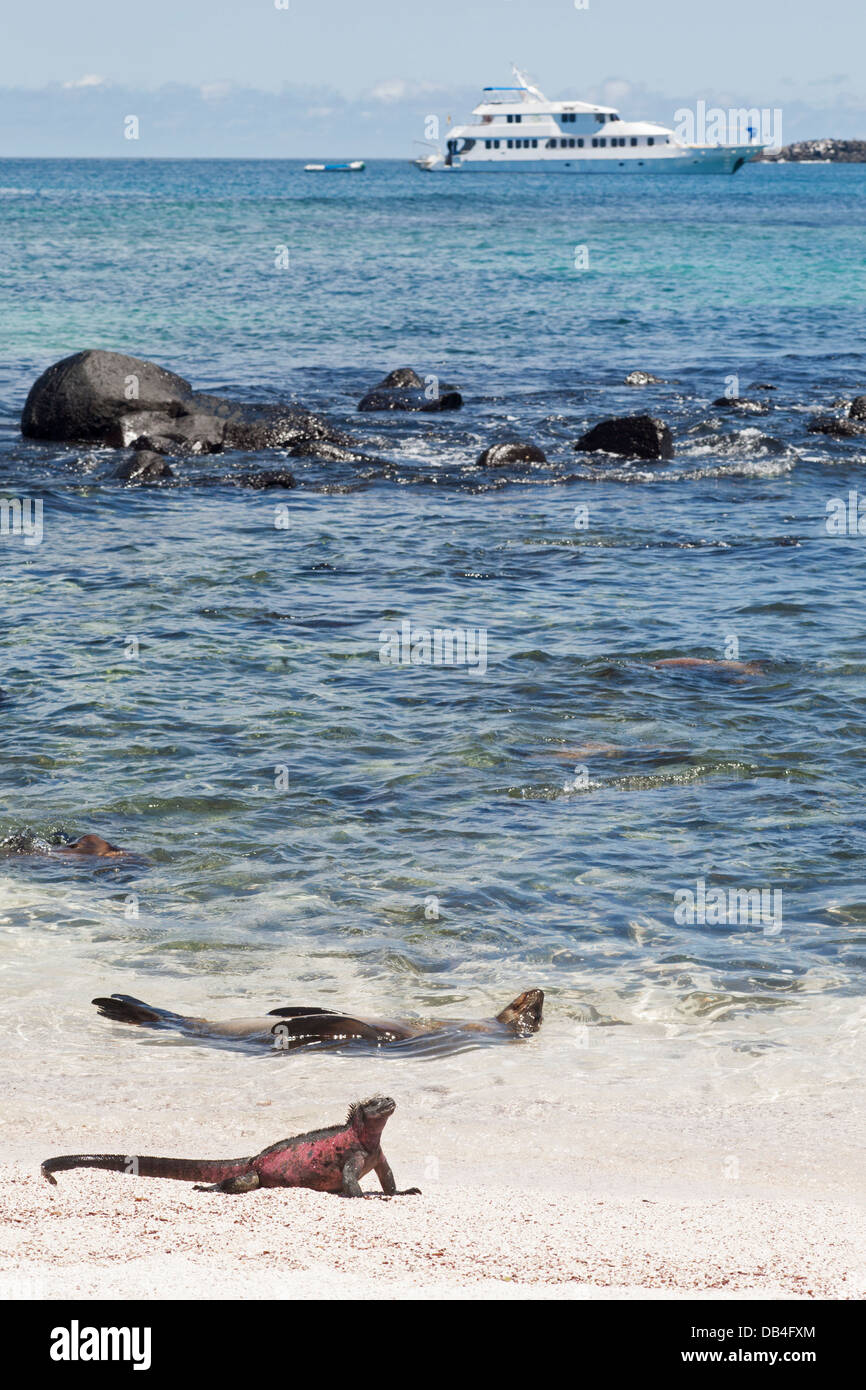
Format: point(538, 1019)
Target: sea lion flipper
point(123, 1008)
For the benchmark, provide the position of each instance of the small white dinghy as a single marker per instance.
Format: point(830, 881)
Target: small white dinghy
point(354, 167)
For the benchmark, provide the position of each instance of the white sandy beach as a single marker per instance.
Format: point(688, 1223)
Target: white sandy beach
point(604, 1184)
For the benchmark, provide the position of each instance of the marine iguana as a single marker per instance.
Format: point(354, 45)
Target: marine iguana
point(302, 1026)
point(327, 1160)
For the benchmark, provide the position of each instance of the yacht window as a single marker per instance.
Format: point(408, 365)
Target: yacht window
point(518, 118)
point(510, 144)
point(496, 144)
point(509, 119)
point(594, 142)
point(602, 142)
point(551, 144)
point(634, 140)
point(535, 144)
point(649, 139)
point(487, 144)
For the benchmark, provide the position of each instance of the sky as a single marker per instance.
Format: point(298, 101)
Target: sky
point(307, 77)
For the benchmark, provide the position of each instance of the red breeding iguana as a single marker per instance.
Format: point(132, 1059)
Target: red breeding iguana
point(327, 1160)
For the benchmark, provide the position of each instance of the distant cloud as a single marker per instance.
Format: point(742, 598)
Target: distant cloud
point(399, 89)
point(393, 89)
point(616, 89)
point(91, 80)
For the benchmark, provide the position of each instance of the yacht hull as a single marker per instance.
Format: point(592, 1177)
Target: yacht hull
point(690, 159)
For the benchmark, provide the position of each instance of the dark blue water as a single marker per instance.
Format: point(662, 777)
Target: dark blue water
point(445, 837)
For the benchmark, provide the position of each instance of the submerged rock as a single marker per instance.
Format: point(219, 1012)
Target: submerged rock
point(109, 398)
point(741, 403)
point(403, 379)
point(857, 409)
point(643, 379)
point(636, 436)
point(831, 424)
point(404, 389)
point(501, 455)
point(144, 467)
point(277, 477)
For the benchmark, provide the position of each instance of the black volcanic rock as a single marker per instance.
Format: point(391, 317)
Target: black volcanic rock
point(857, 409)
point(835, 151)
point(746, 407)
point(634, 436)
point(403, 379)
point(639, 378)
point(831, 424)
point(404, 389)
point(109, 398)
point(83, 397)
point(277, 477)
point(501, 455)
point(144, 467)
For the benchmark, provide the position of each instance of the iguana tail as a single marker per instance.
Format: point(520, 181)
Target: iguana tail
point(182, 1169)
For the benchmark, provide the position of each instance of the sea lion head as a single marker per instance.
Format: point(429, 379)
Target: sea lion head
point(524, 1013)
point(91, 844)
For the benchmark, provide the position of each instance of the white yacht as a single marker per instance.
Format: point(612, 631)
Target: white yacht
point(518, 129)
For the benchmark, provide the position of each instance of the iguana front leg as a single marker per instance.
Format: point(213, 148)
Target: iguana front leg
point(352, 1170)
point(389, 1186)
point(246, 1182)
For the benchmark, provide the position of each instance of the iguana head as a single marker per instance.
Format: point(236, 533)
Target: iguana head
point(523, 1014)
point(369, 1117)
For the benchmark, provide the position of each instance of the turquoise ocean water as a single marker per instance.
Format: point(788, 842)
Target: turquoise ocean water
point(438, 839)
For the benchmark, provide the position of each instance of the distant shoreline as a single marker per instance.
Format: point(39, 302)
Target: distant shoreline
point(823, 151)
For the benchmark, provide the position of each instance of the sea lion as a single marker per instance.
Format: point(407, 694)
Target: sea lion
point(26, 842)
point(293, 1026)
point(744, 668)
point(89, 844)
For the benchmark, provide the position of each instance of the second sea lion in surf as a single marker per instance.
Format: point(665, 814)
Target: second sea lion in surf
point(89, 844)
point(737, 668)
point(295, 1026)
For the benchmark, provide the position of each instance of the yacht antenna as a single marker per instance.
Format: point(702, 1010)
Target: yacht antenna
point(524, 82)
